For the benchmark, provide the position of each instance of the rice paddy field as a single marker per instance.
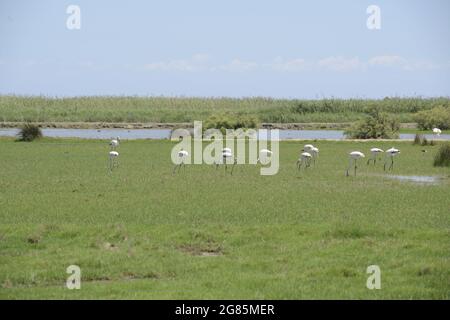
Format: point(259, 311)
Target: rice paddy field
point(188, 109)
point(142, 232)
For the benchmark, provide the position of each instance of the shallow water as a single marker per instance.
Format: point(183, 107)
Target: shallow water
point(416, 179)
point(97, 133)
point(165, 134)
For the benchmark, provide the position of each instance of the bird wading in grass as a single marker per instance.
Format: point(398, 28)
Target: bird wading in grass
point(113, 160)
point(226, 158)
point(353, 158)
point(390, 154)
point(182, 156)
point(114, 143)
point(264, 155)
point(312, 150)
point(304, 160)
point(374, 152)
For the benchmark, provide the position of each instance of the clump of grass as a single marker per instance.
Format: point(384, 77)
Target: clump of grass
point(418, 139)
point(442, 157)
point(30, 132)
point(422, 141)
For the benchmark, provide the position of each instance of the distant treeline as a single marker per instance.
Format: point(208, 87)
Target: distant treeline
point(185, 109)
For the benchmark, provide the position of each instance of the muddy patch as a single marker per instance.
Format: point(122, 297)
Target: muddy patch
point(202, 251)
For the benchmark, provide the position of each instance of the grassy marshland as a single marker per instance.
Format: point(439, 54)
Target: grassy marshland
point(185, 109)
point(142, 232)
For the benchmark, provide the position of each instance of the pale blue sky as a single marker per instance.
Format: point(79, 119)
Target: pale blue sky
point(292, 49)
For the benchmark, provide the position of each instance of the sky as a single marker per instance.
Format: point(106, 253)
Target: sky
point(281, 49)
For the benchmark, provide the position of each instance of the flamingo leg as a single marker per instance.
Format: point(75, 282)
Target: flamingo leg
point(349, 166)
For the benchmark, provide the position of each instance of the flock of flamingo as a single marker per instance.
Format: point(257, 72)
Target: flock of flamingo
point(308, 154)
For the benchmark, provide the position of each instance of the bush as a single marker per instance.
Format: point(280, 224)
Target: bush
point(30, 132)
point(442, 157)
point(377, 125)
point(225, 121)
point(437, 117)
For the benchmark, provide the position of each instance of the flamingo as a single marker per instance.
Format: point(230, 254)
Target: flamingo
point(315, 154)
point(264, 154)
point(437, 131)
point(374, 153)
point(307, 147)
point(113, 160)
point(226, 155)
point(114, 143)
point(182, 155)
point(305, 158)
point(354, 156)
point(312, 150)
point(390, 153)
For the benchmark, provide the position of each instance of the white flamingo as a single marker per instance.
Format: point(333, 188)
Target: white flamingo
point(390, 154)
point(315, 154)
point(182, 155)
point(305, 159)
point(114, 143)
point(113, 160)
point(307, 147)
point(437, 131)
point(264, 154)
point(374, 154)
point(312, 150)
point(354, 156)
point(227, 155)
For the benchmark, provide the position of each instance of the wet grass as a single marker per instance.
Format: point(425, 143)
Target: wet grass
point(142, 232)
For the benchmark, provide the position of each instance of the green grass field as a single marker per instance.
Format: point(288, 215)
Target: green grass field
point(142, 232)
point(188, 109)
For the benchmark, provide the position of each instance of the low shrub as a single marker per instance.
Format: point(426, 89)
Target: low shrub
point(377, 125)
point(30, 132)
point(225, 121)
